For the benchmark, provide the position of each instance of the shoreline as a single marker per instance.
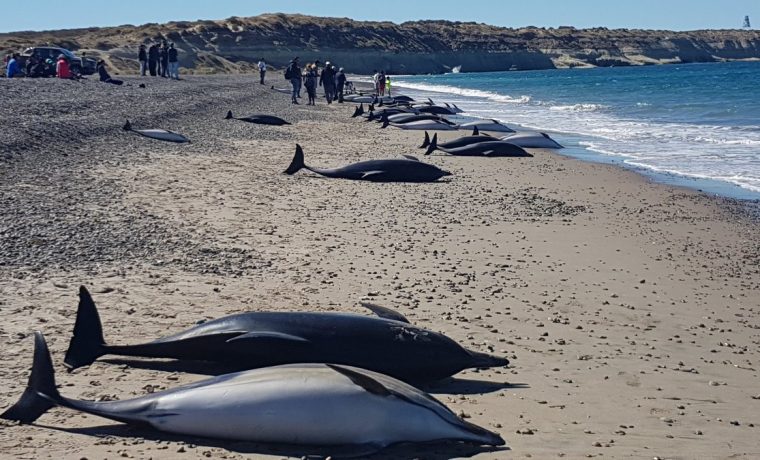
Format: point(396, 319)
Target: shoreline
point(628, 308)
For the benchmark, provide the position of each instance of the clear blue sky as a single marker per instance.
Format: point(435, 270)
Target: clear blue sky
point(645, 14)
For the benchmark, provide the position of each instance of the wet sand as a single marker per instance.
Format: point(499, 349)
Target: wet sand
point(629, 309)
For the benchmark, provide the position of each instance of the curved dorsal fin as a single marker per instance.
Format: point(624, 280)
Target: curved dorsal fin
point(364, 381)
point(384, 312)
point(410, 157)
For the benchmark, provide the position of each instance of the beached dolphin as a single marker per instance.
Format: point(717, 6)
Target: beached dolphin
point(404, 118)
point(300, 404)
point(384, 343)
point(283, 90)
point(487, 125)
point(440, 124)
point(491, 148)
point(259, 119)
point(456, 143)
point(384, 114)
point(437, 109)
point(408, 169)
point(158, 134)
point(528, 139)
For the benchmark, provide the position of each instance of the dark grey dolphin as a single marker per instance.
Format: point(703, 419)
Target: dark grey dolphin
point(297, 404)
point(476, 137)
point(475, 146)
point(408, 169)
point(385, 343)
point(158, 134)
point(437, 109)
point(259, 119)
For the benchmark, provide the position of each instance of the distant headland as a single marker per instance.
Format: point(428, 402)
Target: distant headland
point(234, 45)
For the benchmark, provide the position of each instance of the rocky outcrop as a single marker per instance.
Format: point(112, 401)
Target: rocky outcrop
point(235, 44)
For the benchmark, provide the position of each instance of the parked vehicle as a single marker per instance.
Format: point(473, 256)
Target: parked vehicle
point(84, 66)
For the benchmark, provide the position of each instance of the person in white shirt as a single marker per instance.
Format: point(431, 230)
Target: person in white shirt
point(262, 70)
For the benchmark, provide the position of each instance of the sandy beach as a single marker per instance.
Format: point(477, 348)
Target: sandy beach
point(630, 310)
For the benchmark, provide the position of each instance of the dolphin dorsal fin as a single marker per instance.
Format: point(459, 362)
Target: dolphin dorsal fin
point(384, 312)
point(410, 157)
point(475, 131)
point(365, 381)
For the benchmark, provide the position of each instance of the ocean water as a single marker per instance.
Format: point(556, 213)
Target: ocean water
point(694, 124)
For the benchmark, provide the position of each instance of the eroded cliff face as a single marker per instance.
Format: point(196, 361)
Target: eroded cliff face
point(236, 44)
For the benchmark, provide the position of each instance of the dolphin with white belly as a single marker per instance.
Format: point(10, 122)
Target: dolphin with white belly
point(487, 125)
point(534, 140)
point(301, 404)
point(158, 134)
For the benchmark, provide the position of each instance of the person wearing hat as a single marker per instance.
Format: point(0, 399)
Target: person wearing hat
point(310, 82)
point(293, 73)
point(62, 69)
point(327, 81)
point(340, 84)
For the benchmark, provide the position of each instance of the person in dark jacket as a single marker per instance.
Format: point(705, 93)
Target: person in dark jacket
point(327, 81)
point(173, 62)
point(163, 62)
point(103, 73)
point(152, 59)
point(340, 83)
point(293, 74)
point(142, 57)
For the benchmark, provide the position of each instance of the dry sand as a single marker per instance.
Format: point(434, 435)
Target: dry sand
point(630, 310)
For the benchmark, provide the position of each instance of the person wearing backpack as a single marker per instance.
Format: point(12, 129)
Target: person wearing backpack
point(293, 73)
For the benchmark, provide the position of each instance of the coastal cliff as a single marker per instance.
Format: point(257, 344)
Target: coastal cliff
point(235, 44)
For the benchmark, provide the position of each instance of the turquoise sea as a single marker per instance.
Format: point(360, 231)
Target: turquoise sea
point(693, 124)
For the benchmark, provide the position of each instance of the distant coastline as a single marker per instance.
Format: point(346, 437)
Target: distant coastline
point(234, 45)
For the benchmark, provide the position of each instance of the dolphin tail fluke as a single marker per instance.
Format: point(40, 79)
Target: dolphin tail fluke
point(298, 162)
point(41, 393)
point(229, 115)
point(385, 124)
point(425, 142)
point(127, 126)
point(87, 343)
point(475, 131)
point(372, 107)
point(358, 111)
point(433, 145)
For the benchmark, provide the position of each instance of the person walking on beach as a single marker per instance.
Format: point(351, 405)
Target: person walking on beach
point(388, 85)
point(262, 70)
point(142, 57)
point(152, 59)
point(293, 74)
point(12, 67)
point(310, 82)
point(173, 62)
point(340, 84)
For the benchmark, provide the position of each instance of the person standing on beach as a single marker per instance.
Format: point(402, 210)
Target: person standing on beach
point(12, 66)
point(310, 82)
point(340, 84)
point(388, 85)
point(375, 77)
point(327, 81)
point(173, 62)
point(152, 59)
point(293, 74)
point(163, 60)
point(142, 57)
point(262, 70)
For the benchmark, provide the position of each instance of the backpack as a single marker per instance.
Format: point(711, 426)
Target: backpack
point(289, 73)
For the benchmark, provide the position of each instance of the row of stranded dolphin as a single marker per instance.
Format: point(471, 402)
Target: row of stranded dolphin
point(335, 380)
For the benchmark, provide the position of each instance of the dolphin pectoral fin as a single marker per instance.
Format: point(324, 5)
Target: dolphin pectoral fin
point(488, 153)
point(384, 312)
point(369, 174)
point(268, 335)
point(410, 157)
point(368, 383)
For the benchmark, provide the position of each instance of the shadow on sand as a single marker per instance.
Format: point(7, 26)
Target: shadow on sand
point(429, 451)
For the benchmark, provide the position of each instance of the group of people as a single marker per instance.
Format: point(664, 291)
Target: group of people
point(382, 83)
point(39, 68)
point(330, 78)
point(159, 60)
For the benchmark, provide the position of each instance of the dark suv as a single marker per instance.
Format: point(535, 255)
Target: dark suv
point(78, 65)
